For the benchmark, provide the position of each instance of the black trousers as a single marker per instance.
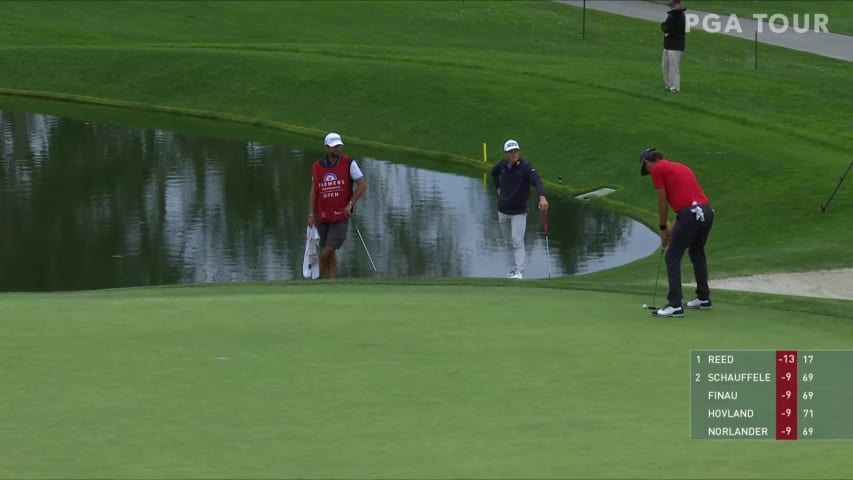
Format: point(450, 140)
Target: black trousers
point(692, 226)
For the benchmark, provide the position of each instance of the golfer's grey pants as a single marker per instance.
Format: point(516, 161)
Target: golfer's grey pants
point(670, 66)
point(512, 229)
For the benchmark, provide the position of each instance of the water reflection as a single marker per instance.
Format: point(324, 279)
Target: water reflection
point(87, 205)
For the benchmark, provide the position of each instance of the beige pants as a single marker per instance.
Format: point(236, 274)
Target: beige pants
point(513, 228)
point(669, 65)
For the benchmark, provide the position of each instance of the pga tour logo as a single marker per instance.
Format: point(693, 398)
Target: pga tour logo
point(777, 22)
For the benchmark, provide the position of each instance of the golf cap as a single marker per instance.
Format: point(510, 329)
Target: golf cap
point(646, 155)
point(333, 140)
point(510, 145)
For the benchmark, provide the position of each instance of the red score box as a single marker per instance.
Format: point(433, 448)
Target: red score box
point(786, 394)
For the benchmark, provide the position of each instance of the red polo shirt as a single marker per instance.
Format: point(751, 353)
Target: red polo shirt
point(682, 188)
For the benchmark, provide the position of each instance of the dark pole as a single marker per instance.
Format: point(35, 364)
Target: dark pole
point(823, 207)
point(583, 30)
point(756, 49)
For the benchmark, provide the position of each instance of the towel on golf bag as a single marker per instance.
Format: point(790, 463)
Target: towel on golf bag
point(311, 262)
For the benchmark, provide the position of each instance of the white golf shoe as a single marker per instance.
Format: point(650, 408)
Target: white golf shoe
point(669, 311)
point(700, 304)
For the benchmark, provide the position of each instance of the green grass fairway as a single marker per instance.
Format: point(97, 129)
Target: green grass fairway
point(422, 378)
point(400, 382)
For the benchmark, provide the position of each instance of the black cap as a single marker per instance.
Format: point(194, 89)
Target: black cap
point(646, 155)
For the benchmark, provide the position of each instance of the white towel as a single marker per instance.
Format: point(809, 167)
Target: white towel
point(311, 262)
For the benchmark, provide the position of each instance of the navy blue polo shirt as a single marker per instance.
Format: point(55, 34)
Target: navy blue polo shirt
point(515, 182)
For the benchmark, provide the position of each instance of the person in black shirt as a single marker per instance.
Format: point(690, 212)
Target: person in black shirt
point(513, 176)
point(673, 46)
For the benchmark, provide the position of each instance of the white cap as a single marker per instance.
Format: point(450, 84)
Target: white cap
point(333, 140)
point(510, 145)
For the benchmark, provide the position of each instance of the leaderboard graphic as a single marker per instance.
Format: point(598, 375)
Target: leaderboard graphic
point(771, 394)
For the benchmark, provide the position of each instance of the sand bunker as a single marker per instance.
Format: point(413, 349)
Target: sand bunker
point(824, 283)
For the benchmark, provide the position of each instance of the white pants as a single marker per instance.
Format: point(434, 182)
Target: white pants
point(670, 66)
point(512, 229)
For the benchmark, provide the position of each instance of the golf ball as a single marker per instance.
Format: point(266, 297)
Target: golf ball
point(645, 306)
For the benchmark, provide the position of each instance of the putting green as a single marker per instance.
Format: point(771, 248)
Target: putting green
point(357, 381)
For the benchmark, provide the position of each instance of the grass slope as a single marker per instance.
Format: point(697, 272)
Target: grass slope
point(455, 74)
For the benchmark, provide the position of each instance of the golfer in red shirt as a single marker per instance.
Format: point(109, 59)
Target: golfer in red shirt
point(678, 188)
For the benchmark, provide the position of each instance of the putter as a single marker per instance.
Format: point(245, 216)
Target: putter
point(655, 292)
point(364, 245)
point(547, 249)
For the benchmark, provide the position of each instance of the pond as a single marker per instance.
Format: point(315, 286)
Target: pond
point(89, 205)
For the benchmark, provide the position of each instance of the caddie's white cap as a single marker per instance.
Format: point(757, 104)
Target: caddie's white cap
point(333, 140)
point(510, 145)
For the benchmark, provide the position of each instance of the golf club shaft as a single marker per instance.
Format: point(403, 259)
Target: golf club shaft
point(657, 278)
point(823, 207)
point(547, 248)
point(364, 245)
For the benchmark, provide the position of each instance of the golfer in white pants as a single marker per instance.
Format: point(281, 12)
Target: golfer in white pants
point(513, 176)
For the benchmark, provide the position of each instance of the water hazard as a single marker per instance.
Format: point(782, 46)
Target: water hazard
point(86, 205)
